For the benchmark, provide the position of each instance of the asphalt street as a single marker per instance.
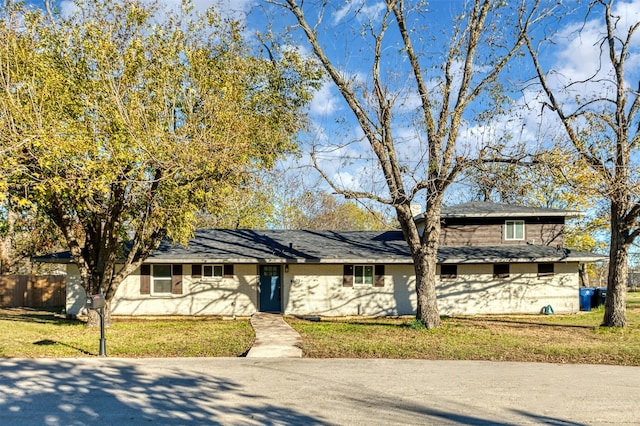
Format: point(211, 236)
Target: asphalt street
point(248, 391)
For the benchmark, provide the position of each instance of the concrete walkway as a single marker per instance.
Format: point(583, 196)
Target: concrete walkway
point(274, 338)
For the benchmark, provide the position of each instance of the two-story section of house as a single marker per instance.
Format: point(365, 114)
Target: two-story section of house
point(493, 259)
point(498, 258)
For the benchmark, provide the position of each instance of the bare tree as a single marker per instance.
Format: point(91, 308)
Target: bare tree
point(599, 115)
point(450, 72)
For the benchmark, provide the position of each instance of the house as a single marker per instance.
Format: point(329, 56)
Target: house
point(493, 259)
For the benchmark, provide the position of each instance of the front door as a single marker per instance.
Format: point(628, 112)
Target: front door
point(270, 288)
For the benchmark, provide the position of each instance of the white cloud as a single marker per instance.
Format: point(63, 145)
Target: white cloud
point(324, 102)
point(361, 10)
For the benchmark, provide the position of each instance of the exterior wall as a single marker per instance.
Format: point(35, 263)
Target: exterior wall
point(316, 289)
point(202, 296)
point(475, 291)
point(76, 296)
point(485, 232)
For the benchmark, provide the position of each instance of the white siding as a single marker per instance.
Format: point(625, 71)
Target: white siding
point(76, 296)
point(475, 291)
point(316, 289)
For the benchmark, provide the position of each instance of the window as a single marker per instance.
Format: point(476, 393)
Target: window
point(545, 269)
point(363, 274)
point(448, 271)
point(501, 270)
point(514, 230)
point(212, 271)
point(161, 279)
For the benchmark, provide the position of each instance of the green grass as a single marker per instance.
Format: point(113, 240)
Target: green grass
point(540, 338)
point(574, 338)
point(35, 334)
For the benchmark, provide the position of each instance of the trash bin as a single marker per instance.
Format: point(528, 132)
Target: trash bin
point(599, 297)
point(586, 293)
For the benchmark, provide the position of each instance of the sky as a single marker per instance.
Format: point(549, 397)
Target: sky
point(344, 154)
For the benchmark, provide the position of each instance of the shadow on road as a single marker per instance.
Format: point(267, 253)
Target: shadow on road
point(57, 392)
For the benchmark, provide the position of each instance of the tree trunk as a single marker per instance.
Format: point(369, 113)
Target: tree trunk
point(93, 317)
point(615, 305)
point(427, 309)
point(584, 275)
point(424, 251)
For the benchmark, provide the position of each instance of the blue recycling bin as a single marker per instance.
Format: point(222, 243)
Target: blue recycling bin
point(586, 293)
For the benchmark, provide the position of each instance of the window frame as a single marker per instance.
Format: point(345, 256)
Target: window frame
point(364, 276)
point(212, 275)
point(513, 236)
point(155, 278)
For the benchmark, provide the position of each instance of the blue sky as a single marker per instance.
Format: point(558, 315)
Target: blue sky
point(345, 156)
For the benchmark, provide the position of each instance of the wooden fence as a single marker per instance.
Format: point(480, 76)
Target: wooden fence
point(32, 291)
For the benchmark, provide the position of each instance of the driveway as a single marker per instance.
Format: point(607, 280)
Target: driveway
point(175, 391)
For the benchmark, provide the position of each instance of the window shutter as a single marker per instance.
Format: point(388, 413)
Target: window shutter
point(347, 277)
point(176, 279)
point(501, 270)
point(379, 278)
point(145, 279)
point(227, 271)
point(196, 271)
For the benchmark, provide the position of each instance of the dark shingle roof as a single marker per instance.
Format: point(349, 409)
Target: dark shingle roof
point(223, 245)
point(251, 246)
point(482, 209)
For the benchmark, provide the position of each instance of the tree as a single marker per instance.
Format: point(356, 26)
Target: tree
point(121, 121)
point(320, 210)
point(557, 181)
point(598, 111)
point(453, 69)
point(23, 235)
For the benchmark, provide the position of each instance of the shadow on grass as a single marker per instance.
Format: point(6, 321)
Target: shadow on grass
point(507, 321)
point(447, 321)
point(47, 342)
point(40, 315)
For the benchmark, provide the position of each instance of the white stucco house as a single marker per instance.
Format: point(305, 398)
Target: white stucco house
point(493, 259)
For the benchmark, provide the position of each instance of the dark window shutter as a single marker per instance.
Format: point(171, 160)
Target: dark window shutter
point(379, 278)
point(347, 277)
point(448, 271)
point(176, 279)
point(545, 269)
point(196, 271)
point(501, 270)
point(145, 279)
point(228, 271)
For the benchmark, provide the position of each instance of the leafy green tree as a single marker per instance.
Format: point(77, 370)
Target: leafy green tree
point(598, 114)
point(123, 120)
point(425, 78)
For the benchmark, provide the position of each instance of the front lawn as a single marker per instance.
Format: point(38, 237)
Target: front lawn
point(574, 338)
point(30, 333)
point(541, 338)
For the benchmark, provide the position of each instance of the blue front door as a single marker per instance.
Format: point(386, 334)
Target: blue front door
point(270, 288)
